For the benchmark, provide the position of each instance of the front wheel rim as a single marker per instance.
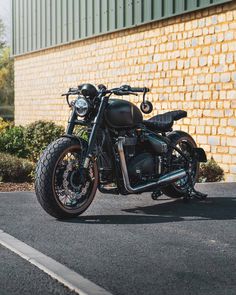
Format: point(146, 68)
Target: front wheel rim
point(70, 195)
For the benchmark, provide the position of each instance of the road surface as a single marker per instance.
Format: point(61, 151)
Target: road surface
point(127, 244)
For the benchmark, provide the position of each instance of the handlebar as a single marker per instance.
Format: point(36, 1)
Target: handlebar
point(127, 90)
point(123, 90)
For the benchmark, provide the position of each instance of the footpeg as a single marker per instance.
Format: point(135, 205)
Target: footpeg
point(156, 195)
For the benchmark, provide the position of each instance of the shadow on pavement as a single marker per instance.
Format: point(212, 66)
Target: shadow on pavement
point(122, 219)
point(175, 211)
point(213, 208)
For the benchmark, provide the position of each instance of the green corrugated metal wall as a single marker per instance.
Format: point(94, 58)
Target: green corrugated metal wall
point(44, 23)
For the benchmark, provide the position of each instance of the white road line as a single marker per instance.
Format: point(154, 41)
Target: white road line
point(56, 270)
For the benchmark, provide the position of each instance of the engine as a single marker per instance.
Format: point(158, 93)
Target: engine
point(143, 167)
point(144, 157)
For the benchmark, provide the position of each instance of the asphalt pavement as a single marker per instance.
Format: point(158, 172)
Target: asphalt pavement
point(128, 244)
point(18, 276)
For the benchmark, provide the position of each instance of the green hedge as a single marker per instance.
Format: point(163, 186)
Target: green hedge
point(12, 141)
point(28, 142)
point(39, 135)
point(211, 172)
point(14, 169)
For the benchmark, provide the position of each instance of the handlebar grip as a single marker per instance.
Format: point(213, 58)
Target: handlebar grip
point(73, 89)
point(140, 89)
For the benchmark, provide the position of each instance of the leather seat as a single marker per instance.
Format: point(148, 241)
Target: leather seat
point(164, 122)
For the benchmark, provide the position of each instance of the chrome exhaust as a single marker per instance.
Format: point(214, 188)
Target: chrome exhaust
point(163, 180)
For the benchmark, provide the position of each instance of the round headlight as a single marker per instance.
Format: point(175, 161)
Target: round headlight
point(82, 107)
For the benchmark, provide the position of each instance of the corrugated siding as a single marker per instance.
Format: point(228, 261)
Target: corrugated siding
point(40, 24)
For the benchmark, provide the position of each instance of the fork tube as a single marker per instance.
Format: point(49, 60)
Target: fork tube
point(71, 122)
point(96, 125)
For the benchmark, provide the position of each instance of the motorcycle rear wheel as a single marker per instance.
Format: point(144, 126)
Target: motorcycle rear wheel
point(57, 186)
point(183, 141)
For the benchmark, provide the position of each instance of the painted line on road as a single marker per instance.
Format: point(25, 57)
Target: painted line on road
point(56, 270)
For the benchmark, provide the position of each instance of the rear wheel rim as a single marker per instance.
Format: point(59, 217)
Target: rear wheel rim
point(192, 167)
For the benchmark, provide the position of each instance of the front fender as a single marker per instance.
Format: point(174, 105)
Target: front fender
point(82, 142)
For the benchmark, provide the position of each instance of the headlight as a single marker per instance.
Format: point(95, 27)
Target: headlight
point(82, 107)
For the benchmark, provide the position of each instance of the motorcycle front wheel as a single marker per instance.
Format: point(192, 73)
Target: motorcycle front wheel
point(59, 187)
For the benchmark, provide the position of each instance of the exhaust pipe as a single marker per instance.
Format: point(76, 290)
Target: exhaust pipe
point(163, 180)
point(171, 177)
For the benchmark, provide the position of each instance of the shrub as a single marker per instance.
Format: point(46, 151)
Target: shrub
point(211, 172)
point(81, 131)
point(12, 141)
point(14, 169)
point(39, 135)
point(4, 124)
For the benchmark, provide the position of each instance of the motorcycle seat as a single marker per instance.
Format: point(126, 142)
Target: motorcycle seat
point(164, 122)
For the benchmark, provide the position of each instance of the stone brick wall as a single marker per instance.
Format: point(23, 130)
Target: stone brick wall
point(189, 62)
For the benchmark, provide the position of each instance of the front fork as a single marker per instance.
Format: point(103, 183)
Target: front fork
point(93, 135)
point(96, 125)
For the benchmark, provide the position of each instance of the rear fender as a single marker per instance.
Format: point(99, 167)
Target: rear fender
point(200, 155)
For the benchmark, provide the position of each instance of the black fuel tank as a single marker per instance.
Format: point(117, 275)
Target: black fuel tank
point(122, 114)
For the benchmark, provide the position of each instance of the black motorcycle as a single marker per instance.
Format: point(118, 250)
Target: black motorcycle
point(110, 147)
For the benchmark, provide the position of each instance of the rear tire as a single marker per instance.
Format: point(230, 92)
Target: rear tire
point(173, 190)
point(45, 179)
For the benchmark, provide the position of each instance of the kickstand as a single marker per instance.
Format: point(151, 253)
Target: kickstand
point(194, 194)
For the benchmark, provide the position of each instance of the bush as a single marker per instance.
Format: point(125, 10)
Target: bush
point(4, 124)
point(14, 169)
point(12, 141)
point(81, 131)
point(39, 135)
point(211, 172)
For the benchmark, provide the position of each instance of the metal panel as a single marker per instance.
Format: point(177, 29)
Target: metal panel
point(104, 16)
point(120, 14)
point(179, 6)
point(191, 5)
point(59, 21)
point(97, 17)
point(168, 8)
point(34, 24)
point(204, 2)
point(112, 15)
point(39, 33)
point(64, 21)
point(83, 18)
point(49, 23)
point(129, 13)
point(138, 8)
point(70, 20)
point(90, 18)
point(40, 24)
point(148, 9)
point(76, 19)
point(21, 33)
point(25, 26)
point(16, 48)
point(54, 22)
point(43, 25)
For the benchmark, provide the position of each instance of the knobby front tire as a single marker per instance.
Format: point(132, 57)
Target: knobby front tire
point(45, 183)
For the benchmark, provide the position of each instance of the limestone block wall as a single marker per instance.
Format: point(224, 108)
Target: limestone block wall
point(189, 62)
